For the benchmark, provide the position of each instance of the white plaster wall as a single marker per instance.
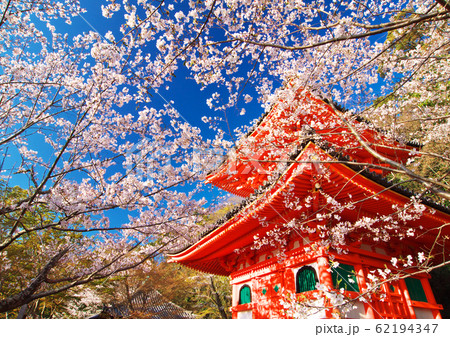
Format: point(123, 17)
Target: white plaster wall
point(245, 314)
point(423, 313)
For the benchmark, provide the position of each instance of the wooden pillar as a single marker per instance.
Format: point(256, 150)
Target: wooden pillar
point(325, 276)
point(324, 272)
point(405, 293)
point(361, 278)
point(430, 297)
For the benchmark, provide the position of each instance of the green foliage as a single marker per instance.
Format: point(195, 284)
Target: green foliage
point(24, 257)
point(419, 110)
point(200, 293)
point(207, 296)
point(409, 40)
point(212, 218)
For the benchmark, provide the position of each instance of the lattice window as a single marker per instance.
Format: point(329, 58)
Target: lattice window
point(344, 276)
point(245, 295)
point(306, 279)
point(415, 289)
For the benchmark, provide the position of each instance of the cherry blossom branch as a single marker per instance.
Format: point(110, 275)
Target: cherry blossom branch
point(29, 295)
point(445, 4)
point(4, 13)
point(429, 183)
point(426, 18)
point(190, 44)
point(25, 295)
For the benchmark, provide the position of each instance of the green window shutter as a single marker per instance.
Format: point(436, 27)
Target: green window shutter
point(245, 295)
point(344, 276)
point(306, 279)
point(415, 289)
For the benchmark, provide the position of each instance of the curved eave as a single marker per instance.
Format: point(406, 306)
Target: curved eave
point(377, 199)
point(243, 177)
point(344, 184)
point(239, 230)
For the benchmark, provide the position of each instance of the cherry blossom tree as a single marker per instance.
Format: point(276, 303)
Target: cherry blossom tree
point(67, 131)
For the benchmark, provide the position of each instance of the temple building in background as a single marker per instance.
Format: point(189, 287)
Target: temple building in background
point(307, 179)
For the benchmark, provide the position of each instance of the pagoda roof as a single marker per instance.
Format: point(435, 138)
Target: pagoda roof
point(277, 137)
point(360, 193)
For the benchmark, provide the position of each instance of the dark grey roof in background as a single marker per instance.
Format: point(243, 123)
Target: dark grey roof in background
point(148, 304)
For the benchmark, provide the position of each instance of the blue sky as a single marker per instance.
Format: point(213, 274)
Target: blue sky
point(188, 99)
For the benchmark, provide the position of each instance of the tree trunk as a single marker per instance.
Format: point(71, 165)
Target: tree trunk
point(22, 312)
point(218, 300)
point(26, 296)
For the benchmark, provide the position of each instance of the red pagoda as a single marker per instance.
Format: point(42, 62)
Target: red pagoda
point(306, 179)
